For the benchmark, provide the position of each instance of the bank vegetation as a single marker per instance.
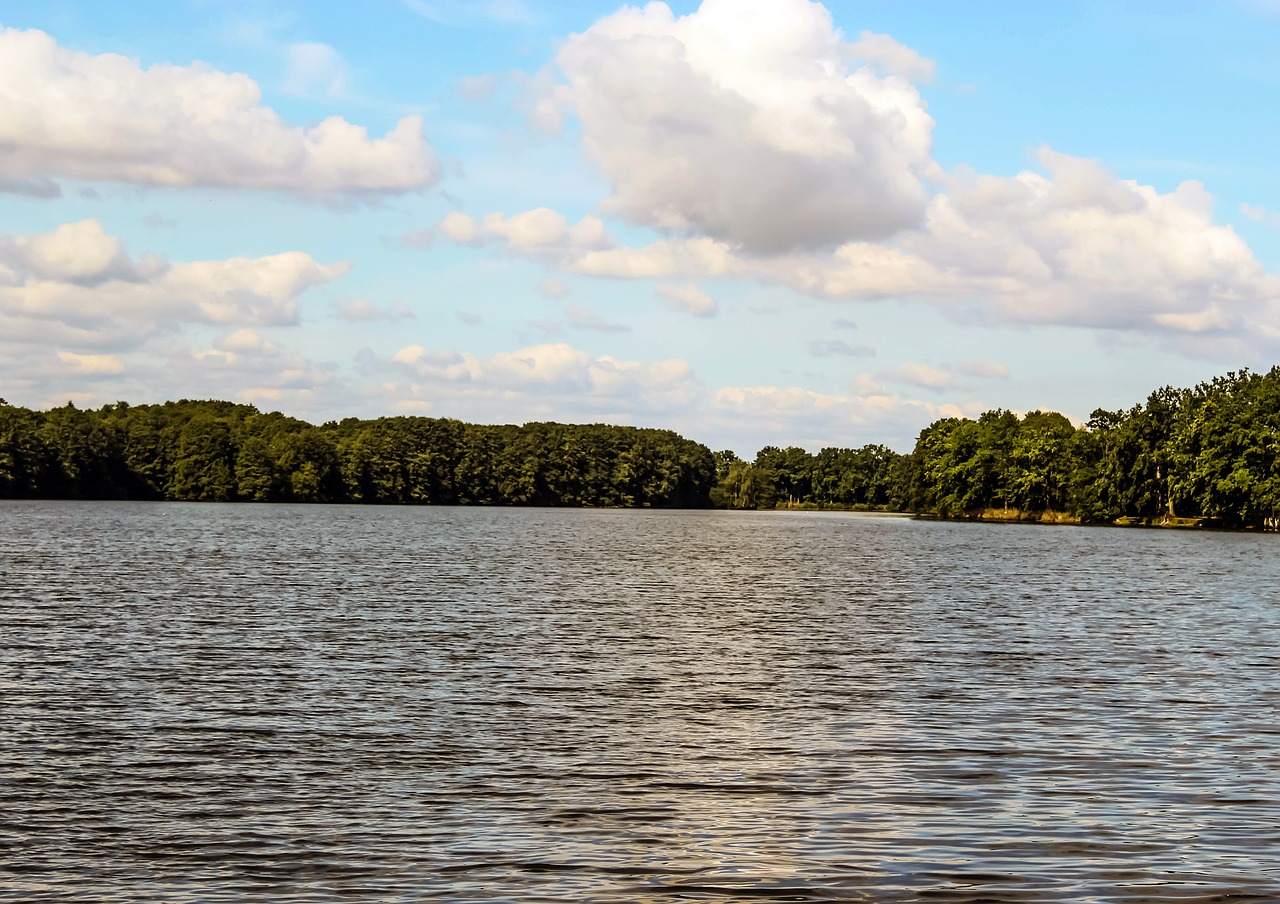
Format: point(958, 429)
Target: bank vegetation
point(1208, 456)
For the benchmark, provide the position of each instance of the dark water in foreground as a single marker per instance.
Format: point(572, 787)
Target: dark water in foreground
point(220, 703)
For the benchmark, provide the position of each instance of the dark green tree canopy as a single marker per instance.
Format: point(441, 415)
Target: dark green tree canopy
point(222, 451)
point(1210, 453)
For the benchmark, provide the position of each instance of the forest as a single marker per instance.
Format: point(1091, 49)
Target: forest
point(223, 452)
point(1206, 456)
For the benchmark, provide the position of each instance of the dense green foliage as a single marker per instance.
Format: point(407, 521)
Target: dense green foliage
point(219, 451)
point(1209, 454)
point(873, 477)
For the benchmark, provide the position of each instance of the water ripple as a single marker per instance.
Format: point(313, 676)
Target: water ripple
point(297, 704)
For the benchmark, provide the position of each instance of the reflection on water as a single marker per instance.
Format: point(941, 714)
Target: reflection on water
point(223, 703)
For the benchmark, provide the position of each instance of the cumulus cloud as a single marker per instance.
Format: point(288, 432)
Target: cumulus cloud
point(768, 147)
point(689, 298)
point(547, 372)
point(78, 253)
point(540, 233)
point(67, 114)
point(458, 228)
point(1081, 247)
point(893, 58)
point(1070, 245)
point(78, 285)
point(751, 121)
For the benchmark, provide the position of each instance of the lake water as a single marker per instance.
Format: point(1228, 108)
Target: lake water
point(278, 703)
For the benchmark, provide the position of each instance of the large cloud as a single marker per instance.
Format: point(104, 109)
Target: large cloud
point(69, 114)
point(83, 319)
point(1069, 245)
point(558, 373)
point(753, 122)
point(77, 286)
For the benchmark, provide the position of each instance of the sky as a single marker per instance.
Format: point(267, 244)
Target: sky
point(752, 221)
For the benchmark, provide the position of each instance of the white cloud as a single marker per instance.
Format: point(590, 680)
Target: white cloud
point(457, 227)
point(241, 365)
point(679, 258)
point(543, 373)
point(893, 58)
point(246, 366)
point(810, 419)
point(864, 384)
point(315, 69)
point(989, 370)
point(1072, 245)
point(92, 364)
point(78, 286)
point(1261, 215)
point(1207, 320)
point(751, 121)
point(1080, 247)
point(80, 253)
point(689, 298)
point(539, 233)
point(922, 375)
point(772, 401)
point(362, 310)
point(67, 114)
point(242, 341)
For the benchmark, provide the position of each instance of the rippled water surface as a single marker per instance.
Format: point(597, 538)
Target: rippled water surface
point(276, 703)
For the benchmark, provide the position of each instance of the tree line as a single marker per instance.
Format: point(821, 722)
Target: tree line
point(1210, 455)
point(211, 451)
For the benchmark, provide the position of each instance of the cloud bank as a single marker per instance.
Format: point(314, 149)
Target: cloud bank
point(67, 114)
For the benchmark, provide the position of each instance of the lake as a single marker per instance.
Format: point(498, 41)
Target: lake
point(311, 703)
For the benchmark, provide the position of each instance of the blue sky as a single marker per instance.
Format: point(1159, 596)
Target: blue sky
point(753, 221)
